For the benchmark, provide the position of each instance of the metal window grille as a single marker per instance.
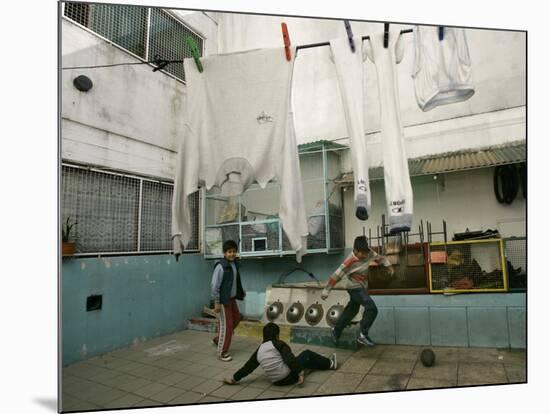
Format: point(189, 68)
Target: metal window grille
point(124, 25)
point(167, 39)
point(78, 12)
point(145, 32)
point(467, 266)
point(516, 259)
point(117, 213)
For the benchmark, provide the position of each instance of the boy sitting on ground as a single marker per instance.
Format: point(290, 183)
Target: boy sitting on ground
point(279, 363)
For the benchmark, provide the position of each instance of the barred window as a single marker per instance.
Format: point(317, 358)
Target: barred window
point(118, 213)
point(143, 31)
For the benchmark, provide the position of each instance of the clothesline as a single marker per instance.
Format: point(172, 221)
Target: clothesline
point(328, 43)
point(161, 63)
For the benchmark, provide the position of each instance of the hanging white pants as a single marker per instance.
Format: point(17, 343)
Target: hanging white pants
point(397, 182)
point(349, 71)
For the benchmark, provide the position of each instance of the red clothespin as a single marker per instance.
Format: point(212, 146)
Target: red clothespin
point(286, 39)
point(350, 35)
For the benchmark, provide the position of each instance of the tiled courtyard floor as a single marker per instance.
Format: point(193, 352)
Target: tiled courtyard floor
point(182, 369)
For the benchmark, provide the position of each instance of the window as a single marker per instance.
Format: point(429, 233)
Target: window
point(118, 213)
point(143, 31)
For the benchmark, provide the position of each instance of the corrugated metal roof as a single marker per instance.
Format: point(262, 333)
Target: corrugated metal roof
point(511, 153)
point(318, 145)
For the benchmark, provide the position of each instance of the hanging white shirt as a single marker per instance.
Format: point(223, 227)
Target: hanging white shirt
point(240, 130)
point(442, 70)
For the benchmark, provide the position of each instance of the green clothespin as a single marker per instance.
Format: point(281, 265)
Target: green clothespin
point(194, 52)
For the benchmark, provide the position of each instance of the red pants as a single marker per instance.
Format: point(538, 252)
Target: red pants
point(232, 319)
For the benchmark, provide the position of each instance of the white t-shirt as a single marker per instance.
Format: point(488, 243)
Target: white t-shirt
point(442, 69)
point(239, 129)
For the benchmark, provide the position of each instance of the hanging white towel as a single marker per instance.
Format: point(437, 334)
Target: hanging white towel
point(349, 71)
point(397, 182)
point(240, 130)
point(442, 70)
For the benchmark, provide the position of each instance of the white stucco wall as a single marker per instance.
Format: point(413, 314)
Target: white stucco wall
point(494, 115)
point(136, 104)
point(131, 119)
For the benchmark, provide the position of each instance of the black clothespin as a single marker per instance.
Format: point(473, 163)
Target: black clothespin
point(441, 33)
point(350, 35)
point(386, 34)
point(161, 63)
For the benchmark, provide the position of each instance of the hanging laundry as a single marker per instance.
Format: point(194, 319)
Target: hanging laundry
point(442, 69)
point(239, 129)
point(349, 71)
point(397, 182)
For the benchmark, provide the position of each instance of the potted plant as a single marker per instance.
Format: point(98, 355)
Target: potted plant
point(67, 248)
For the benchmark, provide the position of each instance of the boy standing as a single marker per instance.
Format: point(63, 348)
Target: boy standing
point(355, 272)
point(226, 287)
point(279, 363)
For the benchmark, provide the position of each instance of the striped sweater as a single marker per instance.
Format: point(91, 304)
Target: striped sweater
point(355, 271)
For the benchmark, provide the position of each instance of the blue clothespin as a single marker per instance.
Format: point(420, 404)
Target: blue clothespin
point(441, 33)
point(386, 34)
point(194, 52)
point(350, 35)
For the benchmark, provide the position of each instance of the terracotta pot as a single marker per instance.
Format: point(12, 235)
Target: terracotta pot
point(68, 249)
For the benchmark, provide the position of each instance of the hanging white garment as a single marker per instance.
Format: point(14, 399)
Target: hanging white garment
point(349, 71)
point(397, 182)
point(442, 70)
point(240, 130)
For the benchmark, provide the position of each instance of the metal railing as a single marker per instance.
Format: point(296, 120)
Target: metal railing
point(119, 213)
point(515, 249)
point(467, 266)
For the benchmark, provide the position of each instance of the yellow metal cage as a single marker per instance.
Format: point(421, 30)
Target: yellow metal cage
point(467, 266)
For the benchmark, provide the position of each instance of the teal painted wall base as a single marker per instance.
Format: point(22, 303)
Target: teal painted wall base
point(473, 319)
point(143, 297)
point(322, 337)
point(150, 296)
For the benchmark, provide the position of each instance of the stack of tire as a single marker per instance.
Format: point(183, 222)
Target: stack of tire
point(507, 180)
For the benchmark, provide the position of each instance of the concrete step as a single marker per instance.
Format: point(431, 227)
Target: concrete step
point(203, 324)
point(248, 328)
point(254, 329)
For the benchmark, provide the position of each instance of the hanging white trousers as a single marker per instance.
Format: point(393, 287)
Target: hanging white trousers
point(397, 182)
point(349, 71)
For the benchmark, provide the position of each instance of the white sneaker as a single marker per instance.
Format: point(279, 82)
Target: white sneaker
point(365, 340)
point(333, 362)
point(225, 357)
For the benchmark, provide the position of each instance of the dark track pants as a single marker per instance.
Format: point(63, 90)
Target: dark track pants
point(307, 360)
point(358, 297)
point(232, 319)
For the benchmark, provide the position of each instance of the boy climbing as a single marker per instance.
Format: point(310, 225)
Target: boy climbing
point(354, 270)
